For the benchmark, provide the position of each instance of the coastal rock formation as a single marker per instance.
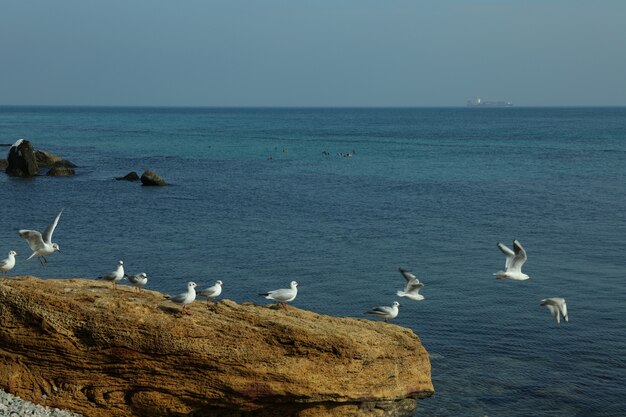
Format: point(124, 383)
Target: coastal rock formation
point(131, 176)
point(21, 160)
point(80, 345)
point(47, 159)
point(60, 171)
point(3, 164)
point(150, 178)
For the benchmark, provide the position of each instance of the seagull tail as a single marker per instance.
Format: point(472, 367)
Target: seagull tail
point(34, 253)
point(265, 294)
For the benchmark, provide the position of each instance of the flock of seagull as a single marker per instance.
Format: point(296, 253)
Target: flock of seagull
point(42, 246)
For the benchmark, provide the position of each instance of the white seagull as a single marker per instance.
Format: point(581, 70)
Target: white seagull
point(212, 292)
point(412, 287)
point(116, 275)
point(138, 280)
point(42, 245)
point(283, 295)
point(7, 264)
point(185, 298)
point(557, 308)
point(385, 312)
point(514, 260)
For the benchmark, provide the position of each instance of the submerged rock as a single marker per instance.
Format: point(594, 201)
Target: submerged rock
point(61, 171)
point(47, 159)
point(3, 164)
point(131, 176)
point(21, 161)
point(150, 178)
point(100, 352)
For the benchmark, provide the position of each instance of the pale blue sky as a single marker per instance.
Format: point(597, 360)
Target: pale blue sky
point(312, 53)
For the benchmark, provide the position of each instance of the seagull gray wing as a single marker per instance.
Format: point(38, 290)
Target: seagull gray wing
point(408, 276)
point(47, 234)
point(179, 298)
point(520, 257)
point(382, 310)
point(208, 292)
point(282, 294)
point(3, 263)
point(34, 239)
point(412, 286)
point(508, 253)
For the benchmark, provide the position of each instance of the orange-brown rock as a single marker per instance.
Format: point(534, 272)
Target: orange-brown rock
point(80, 345)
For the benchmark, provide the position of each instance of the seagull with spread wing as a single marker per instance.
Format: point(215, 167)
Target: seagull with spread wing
point(412, 287)
point(514, 260)
point(42, 245)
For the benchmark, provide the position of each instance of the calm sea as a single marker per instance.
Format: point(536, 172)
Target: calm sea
point(260, 197)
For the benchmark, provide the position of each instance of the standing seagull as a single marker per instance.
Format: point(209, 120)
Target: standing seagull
point(412, 287)
point(42, 245)
point(116, 275)
point(185, 298)
point(283, 295)
point(138, 280)
point(212, 292)
point(385, 312)
point(7, 264)
point(514, 260)
point(557, 308)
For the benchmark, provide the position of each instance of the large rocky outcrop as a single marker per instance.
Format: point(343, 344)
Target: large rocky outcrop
point(21, 160)
point(81, 345)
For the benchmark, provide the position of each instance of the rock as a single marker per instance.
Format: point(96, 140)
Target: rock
point(150, 178)
point(21, 160)
point(3, 164)
point(102, 352)
point(60, 171)
point(131, 176)
point(47, 159)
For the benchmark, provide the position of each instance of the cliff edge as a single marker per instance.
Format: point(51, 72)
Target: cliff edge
point(80, 345)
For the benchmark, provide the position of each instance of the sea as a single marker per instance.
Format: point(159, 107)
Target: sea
point(338, 199)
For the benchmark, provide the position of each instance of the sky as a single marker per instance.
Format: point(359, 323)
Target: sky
point(301, 53)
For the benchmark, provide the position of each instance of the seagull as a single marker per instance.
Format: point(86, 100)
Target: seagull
point(185, 298)
point(385, 312)
point(7, 264)
point(116, 275)
point(557, 308)
point(283, 295)
point(212, 292)
point(514, 260)
point(138, 280)
point(412, 287)
point(42, 245)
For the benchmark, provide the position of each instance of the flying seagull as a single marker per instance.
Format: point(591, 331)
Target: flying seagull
point(557, 308)
point(514, 260)
point(412, 287)
point(42, 245)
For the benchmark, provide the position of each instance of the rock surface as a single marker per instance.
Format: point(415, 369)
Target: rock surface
point(3, 164)
point(47, 159)
point(85, 347)
point(131, 176)
point(150, 178)
point(21, 160)
point(61, 172)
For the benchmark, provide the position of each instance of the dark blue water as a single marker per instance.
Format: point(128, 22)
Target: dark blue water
point(432, 190)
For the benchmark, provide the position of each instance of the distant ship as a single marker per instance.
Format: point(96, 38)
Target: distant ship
point(479, 102)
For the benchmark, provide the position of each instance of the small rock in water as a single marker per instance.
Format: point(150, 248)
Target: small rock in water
point(131, 176)
point(60, 171)
point(150, 178)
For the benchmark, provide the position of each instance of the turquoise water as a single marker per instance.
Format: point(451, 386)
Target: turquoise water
point(432, 190)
